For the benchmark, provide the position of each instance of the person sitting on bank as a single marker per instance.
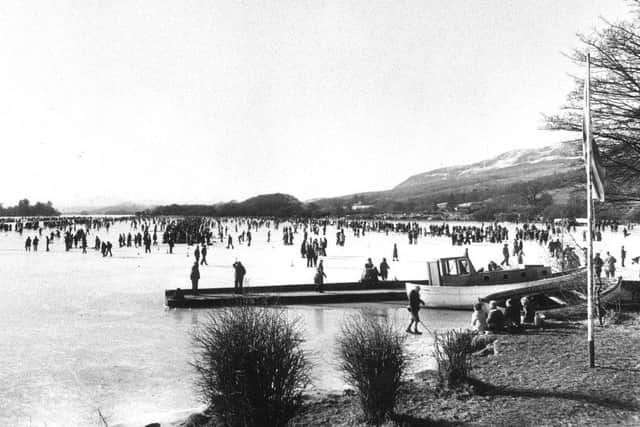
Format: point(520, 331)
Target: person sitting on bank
point(495, 319)
point(478, 319)
point(512, 315)
point(528, 310)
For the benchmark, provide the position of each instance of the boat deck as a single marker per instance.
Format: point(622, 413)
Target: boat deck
point(305, 294)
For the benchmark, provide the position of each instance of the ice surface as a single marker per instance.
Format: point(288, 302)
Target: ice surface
point(83, 332)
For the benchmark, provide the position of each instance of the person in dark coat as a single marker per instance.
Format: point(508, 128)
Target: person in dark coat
point(512, 314)
point(240, 271)
point(505, 254)
point(195, 277)
point(495, 319)
point(414, 309)
point(384, 269)
point(395, 253)
point(597, 265)
point(203, 252)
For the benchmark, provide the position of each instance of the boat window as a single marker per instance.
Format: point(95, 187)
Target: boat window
point(486, 278)
point(523, 274)
point(506, 276)
point(444, 268)
point(544, 272)
point(463, 266)
point(450, 267)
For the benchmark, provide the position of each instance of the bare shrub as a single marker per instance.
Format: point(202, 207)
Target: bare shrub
point(453, 350)
point(372, 357)
point(251, 368)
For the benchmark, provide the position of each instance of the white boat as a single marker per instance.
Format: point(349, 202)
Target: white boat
point(455, 284)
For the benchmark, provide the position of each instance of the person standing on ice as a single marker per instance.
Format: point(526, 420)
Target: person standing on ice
point(240, 271)
point(395, 253)
point(196, 253)
point(610, 261)
point(597, 265)
point(319, 277)
point(195, 277)
point(384, 269)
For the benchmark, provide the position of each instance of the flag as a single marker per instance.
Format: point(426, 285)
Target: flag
point(588, 143)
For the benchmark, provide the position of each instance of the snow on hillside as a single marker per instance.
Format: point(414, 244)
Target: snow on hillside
point(561, 154)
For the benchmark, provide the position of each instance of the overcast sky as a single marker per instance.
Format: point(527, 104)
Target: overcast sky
point(204, 101)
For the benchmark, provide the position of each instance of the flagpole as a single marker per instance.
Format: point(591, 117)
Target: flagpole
point(587, 130)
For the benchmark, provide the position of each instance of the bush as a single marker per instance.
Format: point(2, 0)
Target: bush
point(453, 350)
point(372, 358)
point(252, 369)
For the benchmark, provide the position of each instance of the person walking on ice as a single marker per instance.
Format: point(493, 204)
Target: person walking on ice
point(414, 309)
point(203, 253)
point(505, 254)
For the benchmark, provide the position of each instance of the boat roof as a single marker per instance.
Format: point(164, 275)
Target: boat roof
point(452, 257)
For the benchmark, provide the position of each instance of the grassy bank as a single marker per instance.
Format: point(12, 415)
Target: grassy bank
point(539, 377)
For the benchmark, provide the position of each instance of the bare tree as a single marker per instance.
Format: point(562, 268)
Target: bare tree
point(615, 102)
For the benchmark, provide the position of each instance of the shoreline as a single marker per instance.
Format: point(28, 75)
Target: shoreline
point(539, 377)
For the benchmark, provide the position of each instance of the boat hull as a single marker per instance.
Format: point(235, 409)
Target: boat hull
point(464, 297)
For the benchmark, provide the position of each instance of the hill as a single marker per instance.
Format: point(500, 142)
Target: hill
point(507, 168)
point(277, 204)
point(524, 181)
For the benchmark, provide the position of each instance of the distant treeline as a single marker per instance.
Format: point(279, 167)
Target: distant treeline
point(25, 208)
point(272, 205)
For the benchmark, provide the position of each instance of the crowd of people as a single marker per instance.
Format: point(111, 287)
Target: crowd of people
point(203, 232)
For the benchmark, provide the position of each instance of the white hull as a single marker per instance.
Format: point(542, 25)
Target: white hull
point(464, 297)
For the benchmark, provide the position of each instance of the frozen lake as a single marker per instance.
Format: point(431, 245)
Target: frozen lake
point(83, 333)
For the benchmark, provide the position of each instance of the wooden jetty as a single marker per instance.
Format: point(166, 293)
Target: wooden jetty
point(294, 294)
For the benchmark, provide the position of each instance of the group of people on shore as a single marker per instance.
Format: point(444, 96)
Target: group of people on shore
point(513, 318)
point(516, 314)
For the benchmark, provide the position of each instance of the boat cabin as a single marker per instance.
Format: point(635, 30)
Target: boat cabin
point(459, 271)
